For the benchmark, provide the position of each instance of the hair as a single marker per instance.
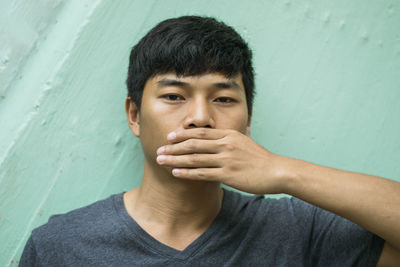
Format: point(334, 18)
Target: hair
point(189, 46)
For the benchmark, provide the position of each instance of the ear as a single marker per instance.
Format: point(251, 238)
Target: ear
point(132, 113)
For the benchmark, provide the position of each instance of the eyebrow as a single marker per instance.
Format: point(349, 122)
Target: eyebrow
point(172, 82)
point(227, 85)
point(220, 85)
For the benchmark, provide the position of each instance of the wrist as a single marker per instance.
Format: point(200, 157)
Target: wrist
point(286, 173)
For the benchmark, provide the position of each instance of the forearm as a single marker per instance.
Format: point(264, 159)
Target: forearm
point(372, 202)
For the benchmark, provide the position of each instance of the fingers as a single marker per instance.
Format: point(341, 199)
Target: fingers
point(189, 161)
point(195, 153)
point(188, 147)
point(205, 174)
point(197, 133)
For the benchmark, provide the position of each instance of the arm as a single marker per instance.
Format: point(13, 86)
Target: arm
point(236, 160)
point(371, 202)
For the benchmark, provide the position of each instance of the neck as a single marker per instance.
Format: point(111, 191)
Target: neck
point(176, 203)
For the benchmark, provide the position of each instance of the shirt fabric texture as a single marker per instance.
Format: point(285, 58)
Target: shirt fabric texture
point(248, 231)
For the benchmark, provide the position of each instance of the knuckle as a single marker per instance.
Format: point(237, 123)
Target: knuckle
point(231, 161)
point(201, 174)
point(202, 132)
point(168, 149)
point(190, 144)
point(224, 157)
point(194, 159)
point(170, 160)
point(232, 132)
point(231, 168)
point(227, 144)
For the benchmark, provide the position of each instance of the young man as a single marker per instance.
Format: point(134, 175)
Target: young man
point(190, 86)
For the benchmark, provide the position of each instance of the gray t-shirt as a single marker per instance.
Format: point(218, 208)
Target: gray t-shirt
point(248, 231)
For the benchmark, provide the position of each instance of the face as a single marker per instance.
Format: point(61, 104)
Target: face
point(175, 103)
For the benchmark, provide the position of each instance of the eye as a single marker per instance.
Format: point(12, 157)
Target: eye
point(225, 100)
point(173, 97)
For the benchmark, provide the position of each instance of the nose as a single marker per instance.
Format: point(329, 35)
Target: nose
point(199, 115)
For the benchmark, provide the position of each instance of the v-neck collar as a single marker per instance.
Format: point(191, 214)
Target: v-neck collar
point(150, 243)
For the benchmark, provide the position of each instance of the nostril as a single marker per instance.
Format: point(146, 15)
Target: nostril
point(192, 125)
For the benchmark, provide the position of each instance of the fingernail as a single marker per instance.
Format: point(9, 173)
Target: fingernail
point(176, 172)
point(160, 150)
point(161, 158)
point(171, 136)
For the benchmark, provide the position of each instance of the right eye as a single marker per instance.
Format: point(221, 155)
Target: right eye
point(173, 97)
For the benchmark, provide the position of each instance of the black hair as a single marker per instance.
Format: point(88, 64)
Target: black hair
point(189, 46)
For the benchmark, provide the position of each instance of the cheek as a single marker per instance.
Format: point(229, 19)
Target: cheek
point(151, 138)
point(159, 119)
point(237, 120)
point(152, 130)
point(242, 127)
point(155, 124)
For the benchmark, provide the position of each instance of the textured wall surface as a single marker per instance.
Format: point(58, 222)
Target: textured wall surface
point(328, 91)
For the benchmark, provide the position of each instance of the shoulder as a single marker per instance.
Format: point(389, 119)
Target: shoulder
point(266, 209)
point(271, 206)
point(272, 212)
point(76, 223)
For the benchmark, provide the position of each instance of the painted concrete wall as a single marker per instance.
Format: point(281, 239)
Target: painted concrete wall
point(328, 91)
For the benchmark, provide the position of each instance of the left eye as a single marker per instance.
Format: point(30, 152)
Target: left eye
point(224, 100)
point(173, 97)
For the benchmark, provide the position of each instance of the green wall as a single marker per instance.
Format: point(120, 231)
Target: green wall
point(328, 91)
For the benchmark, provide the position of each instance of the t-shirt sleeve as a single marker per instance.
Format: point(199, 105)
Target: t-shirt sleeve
point(29, 256)
point(336, 241)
